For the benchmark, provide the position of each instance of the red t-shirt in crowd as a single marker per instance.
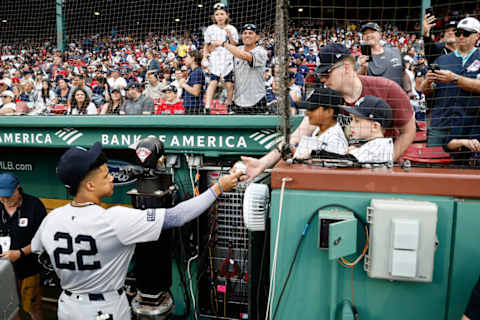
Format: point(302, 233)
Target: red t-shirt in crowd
point(167, 108)
point(393, 94)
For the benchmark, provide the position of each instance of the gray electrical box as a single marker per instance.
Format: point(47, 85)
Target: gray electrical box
point(9, 300)
point(402, 239)
point(337, 232)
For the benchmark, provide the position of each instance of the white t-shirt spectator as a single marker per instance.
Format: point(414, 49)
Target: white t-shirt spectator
point(91, 109)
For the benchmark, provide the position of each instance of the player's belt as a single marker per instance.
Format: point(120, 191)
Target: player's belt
point(94, 296)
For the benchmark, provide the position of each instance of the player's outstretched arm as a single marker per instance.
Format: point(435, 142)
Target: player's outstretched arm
point(257, 166)
point(190, 209)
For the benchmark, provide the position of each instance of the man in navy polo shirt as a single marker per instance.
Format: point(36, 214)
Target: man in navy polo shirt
point(456, 90)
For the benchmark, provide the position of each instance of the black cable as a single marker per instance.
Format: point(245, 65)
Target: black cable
point(180, 261)
point(300, 241)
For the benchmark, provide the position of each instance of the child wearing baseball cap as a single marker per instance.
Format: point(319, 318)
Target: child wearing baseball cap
point(322, 107)
point(220, 59)
point(370, 117)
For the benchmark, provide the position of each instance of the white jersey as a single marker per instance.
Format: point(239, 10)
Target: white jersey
point(332, 140)
point(91, 247)
point(221, 60)
point(377, 150)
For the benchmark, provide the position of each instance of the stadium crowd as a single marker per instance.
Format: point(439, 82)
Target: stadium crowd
point(39, 79)
point(194, 73)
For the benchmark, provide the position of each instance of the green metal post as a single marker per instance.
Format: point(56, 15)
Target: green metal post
point(425, 4)
point(333, 288)
point(60, 28)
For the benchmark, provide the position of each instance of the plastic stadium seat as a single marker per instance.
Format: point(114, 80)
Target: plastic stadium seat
point(218, 108)
point(420, 153)
point(59, 109)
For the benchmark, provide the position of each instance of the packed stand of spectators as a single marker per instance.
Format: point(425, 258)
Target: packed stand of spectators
point(219, 70)
point(43, 79)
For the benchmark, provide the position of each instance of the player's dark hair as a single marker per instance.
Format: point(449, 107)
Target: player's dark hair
point(101, 159)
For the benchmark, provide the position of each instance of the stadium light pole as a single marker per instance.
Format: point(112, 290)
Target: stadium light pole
point(60, 26)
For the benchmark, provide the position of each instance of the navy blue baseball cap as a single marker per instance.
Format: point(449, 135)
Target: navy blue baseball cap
point(321, 97)
point(331, 54)
point(115, 90)
point(75, 163)
point(8, 184)
point(250, 26)
point(372, 108)
point(134, 84)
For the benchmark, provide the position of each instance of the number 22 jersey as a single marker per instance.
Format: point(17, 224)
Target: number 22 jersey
point(91, 247)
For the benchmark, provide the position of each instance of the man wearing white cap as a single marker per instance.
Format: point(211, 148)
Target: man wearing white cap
point(8, 106)
point(457, 89)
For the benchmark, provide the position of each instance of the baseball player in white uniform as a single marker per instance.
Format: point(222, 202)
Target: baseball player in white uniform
point(323, 106)
point(90, 247)
point(370, 117)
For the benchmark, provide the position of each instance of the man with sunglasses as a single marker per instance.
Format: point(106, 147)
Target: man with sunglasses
point(455, 89)
point(338, 72)
point(249, 66)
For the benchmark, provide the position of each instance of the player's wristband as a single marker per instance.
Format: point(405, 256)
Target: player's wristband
point(22, 254)
point(220, 186)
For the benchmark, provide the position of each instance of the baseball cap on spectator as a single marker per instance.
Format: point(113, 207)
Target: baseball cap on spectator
point(408, 59)
point(75, 164)
point(371, 25)
point(170, 88)
point(451, 24)
point(134, 84)
point(322, 97)
point(8, 184)
point(250, 26)
point(469, 24)
point(331, 54)
point(372, 108)
point(220, 6)
point(115, 90)
point(7, 93)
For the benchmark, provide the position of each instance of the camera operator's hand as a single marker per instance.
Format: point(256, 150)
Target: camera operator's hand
point(428, 24)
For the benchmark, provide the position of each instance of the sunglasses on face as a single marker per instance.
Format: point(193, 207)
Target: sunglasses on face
point(327, 73)
point(465, 33)
point(5, 96)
